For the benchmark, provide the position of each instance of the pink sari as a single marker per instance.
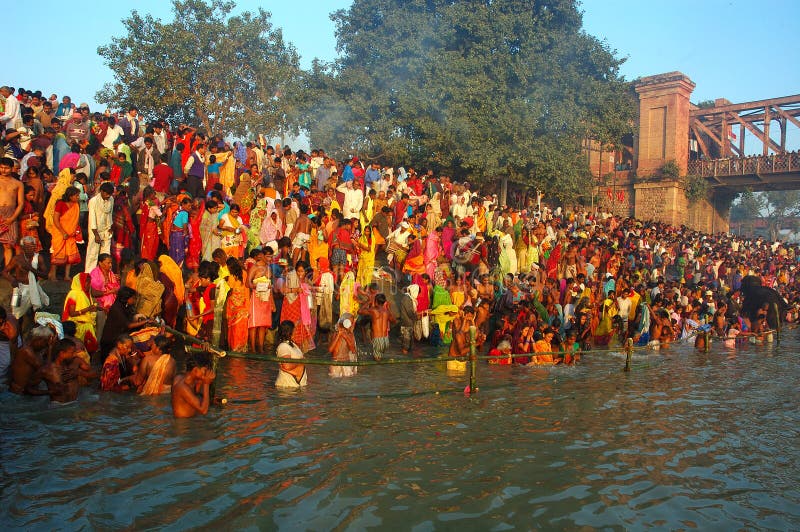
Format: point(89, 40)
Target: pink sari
point(431, 253)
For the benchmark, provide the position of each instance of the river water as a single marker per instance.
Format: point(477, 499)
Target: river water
point(685, 440)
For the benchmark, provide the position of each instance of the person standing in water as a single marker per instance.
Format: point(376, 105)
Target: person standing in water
point(382, 319)
point(191, 393)
point(289, 375)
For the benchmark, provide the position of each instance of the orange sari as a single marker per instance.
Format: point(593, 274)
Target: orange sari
point(237, 311)
point(65, 250)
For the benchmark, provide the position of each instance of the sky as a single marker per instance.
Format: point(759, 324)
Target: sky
point(734, 49)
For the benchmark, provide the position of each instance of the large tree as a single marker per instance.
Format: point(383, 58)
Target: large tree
point(232, 74)
point(478, 88)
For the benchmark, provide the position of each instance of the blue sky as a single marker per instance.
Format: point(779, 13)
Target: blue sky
point(739, 50)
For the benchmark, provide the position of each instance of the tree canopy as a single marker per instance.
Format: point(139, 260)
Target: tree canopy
point(232, 74)
point(476, 88)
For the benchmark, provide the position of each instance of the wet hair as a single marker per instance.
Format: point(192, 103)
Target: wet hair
point(64, 344)
point(380, 299)
point(162, 342)
point(199, 360)
point(285, 330)
point(123, 339)
point(43, 332)
point(125, 293)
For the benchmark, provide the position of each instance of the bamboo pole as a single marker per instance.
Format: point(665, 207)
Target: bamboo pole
point(777, 323)
point(628, 353)
point(473, 361)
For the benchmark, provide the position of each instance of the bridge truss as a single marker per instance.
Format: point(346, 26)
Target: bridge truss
point(719, 131)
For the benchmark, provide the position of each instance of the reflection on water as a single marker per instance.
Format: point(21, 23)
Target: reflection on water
point(686, 440)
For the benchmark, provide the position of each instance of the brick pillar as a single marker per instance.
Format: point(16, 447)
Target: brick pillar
point(663, 122)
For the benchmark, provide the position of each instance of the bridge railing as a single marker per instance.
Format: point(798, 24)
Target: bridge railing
point(758, 164)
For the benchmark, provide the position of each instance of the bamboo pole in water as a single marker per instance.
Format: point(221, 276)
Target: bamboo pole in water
point(473, 360)
point(628, 353)
point(777, 323)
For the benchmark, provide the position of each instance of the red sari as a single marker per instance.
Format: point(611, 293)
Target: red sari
point(149, 228)
point(123, 227)
point(195, 242)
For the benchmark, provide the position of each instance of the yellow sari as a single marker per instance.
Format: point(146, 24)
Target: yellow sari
point(317, 249)
point(366, 261)
point(79, 299)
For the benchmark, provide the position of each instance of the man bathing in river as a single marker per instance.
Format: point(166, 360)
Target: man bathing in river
point(29, 360)
point(459, 347)
point(191, 390)
point(382, 319)
point(61, 375)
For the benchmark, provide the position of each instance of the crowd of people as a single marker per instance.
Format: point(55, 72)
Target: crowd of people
point(250, 247)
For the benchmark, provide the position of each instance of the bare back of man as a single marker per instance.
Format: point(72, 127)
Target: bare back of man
point(25, 372)
point(62, 375)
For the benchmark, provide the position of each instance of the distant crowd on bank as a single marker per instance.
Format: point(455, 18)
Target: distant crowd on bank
point(249, 247)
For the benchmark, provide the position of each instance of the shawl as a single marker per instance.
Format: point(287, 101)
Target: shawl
point(148, 292)
point(63, 183)
point(171, 269)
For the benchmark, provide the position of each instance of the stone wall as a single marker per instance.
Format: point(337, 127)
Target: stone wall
point(664, 201)
point(708, 216)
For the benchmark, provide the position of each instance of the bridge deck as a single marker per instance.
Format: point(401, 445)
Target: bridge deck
point(772, 172)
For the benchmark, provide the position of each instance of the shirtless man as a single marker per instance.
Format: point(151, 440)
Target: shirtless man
point(382, 319)
point(301, 234)
point(61, 375)
point(569, 262)
point(12, 200)
point(9, 332)
point(191, 390)
point(157, 368)
point(459, 347)
point(18, 271)
point(485, 289)
point(29, 360)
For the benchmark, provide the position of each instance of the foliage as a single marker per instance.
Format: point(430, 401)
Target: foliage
point(706, 104)
point(670, 170)
point(231, 73)
point(472, 88)
point(696, 188)
point(778, 208)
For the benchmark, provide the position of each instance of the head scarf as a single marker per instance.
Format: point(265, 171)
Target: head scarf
point(63, 183)
point(82, 298)
point(171, 269)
